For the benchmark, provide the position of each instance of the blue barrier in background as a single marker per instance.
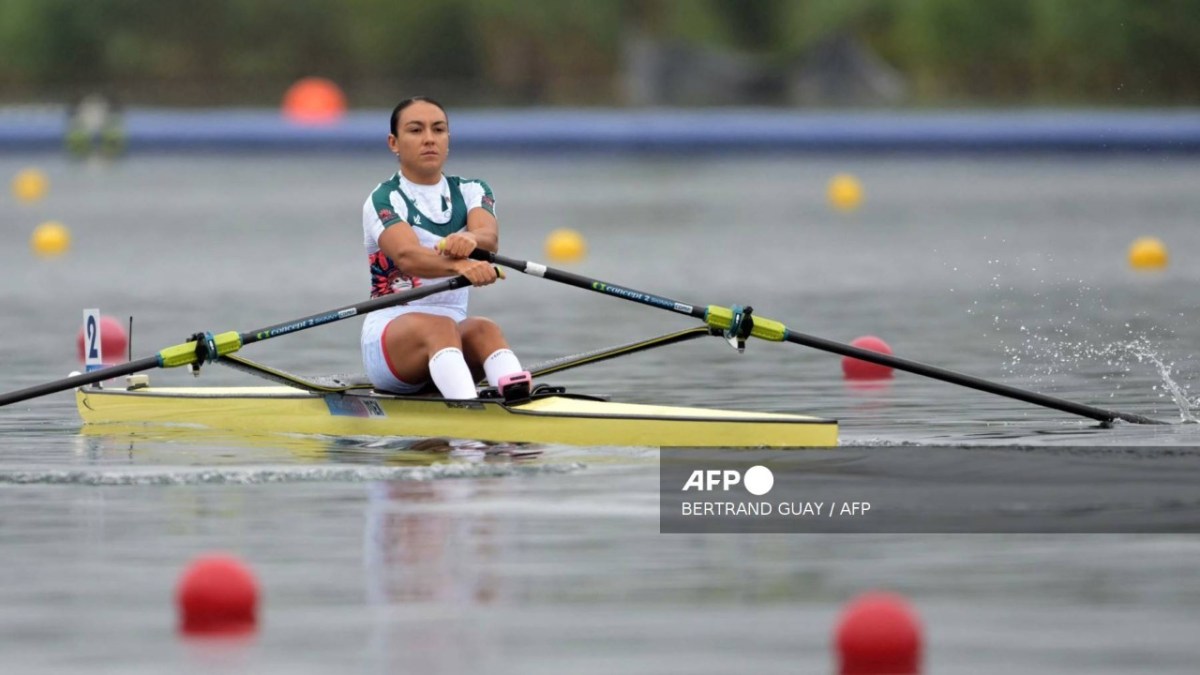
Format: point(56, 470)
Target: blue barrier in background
point(646, 131)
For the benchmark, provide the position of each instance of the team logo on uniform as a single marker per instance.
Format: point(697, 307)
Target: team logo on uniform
point(385, 214)
point(386, 278)
point(398, 281)
point(489, 203)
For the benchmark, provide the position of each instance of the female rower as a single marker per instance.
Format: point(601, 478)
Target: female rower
point(419, 226)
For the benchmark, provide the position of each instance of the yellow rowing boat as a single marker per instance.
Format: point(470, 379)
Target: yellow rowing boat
point(544, 418)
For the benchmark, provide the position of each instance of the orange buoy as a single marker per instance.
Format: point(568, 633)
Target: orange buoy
point(314, 100)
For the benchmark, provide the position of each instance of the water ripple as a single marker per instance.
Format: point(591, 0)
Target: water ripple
point(280, 474)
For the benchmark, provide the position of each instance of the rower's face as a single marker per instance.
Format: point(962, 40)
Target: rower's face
point(422, 138)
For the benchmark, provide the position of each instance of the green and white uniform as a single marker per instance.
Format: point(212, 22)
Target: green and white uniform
point(433, 212)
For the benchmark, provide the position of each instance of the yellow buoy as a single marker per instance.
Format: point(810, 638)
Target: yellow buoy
point(1147, 253)
point(565, 245)
point(845, 193)
point(30, 185)
point(50, 239)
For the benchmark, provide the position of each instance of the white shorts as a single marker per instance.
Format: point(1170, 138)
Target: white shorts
point(375, 360)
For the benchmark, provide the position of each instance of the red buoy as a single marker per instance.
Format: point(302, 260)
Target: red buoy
point(857, 369)
point(879, 633)
point(217, 594)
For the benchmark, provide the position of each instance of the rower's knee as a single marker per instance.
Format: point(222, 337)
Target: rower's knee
point(478, 328)
point(439, 333)
point(480, 338)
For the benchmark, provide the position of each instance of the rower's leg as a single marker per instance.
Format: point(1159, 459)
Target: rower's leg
point(486, 350)
point(423, 347)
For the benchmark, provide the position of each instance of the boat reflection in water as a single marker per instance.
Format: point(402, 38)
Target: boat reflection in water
point(161, 444)
point(434, 557)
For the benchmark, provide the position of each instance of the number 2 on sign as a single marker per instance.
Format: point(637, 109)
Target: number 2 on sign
point(94, 359)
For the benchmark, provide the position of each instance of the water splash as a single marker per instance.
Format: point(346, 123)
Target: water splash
point(1177, 392)
point(1121, 357)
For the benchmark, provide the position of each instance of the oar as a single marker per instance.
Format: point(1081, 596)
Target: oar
point(209, 347)
point(737, 323)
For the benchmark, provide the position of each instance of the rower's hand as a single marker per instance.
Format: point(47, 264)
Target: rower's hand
point(458, 245)
point(478, 272)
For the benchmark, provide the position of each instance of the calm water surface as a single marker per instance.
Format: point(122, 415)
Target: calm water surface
point(377, 558)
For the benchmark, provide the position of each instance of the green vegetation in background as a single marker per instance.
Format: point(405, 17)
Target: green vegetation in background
point(1127, 52)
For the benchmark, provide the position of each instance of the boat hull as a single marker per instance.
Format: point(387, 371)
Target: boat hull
point(545, 419)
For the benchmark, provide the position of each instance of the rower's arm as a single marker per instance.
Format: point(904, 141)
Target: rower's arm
point(482, 225)
point(481, 230)
point(400, 243)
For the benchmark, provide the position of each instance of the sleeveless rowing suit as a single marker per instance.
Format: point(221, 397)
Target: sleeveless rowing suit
point(433, 212)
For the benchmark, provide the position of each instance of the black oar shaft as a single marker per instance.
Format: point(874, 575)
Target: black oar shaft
point(595, 285)
point(701, 312)
point(79, 380)
point(183, 354)
point(364, 307)
point(915, 367)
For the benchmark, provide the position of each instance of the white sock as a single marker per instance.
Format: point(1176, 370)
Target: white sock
point(450, 373)
point(502, 362)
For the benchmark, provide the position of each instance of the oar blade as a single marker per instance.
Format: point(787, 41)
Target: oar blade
point(79, 380)
point(970, 381)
